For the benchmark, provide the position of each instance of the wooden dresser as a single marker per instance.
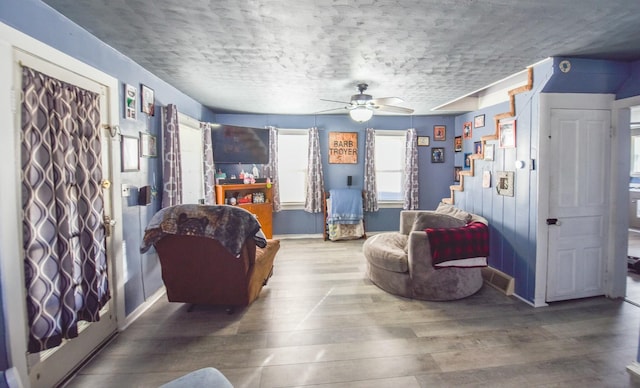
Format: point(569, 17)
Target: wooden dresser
point(263, 211)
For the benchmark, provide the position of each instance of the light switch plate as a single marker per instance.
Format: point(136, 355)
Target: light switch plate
point(126, 190)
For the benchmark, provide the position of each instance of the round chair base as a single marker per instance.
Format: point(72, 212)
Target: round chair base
point(429, 284)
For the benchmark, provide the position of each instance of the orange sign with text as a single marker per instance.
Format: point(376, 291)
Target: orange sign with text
point(343, 147)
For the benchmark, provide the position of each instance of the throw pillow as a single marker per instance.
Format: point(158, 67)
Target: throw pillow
point(453, 211)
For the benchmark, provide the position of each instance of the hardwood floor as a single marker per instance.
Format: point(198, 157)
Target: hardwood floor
point(320, 323)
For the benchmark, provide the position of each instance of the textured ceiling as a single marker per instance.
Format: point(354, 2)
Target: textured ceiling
point(282, 57)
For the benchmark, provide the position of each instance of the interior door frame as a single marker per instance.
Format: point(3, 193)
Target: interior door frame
point(613, 284)
point(621, 121)
point(10, 203)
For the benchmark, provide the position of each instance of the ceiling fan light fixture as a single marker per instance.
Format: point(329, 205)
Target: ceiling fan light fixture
point(361, 114)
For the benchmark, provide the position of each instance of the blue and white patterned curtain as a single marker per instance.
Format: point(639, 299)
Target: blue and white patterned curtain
point(272, 168)
point(411, 188)
point(63, 232)
point(315, 178)
point(209, 166)
point(370, 189)
point(171, 165)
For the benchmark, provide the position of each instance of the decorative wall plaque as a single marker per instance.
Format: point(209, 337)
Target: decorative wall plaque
point(343, 147)
point(504, 183)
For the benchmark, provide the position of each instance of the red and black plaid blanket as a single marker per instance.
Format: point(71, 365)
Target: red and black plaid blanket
point(466, 242)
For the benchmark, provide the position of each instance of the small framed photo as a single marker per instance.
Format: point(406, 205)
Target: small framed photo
point(466, 130)
point(489, 150)
point(130, 102)
point(467, 160)
point(258, 197)
point(478, 121)
point(504, 183)
point(148, 146)
point(437, 155)
point(507, 134)
point(456, 173)
point(147, 103)
point(129, 153)
point(439, 132)
point(457, 144)
point(423, 141)
point(477, 147)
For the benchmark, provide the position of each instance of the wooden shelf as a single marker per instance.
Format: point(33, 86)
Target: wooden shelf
point(262, 211)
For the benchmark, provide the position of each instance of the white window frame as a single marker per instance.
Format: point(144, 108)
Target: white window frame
point(381, 134)
point(192, 157)
point(282, 172)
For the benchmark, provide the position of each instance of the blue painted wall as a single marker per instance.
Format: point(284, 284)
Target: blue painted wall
point(588, 76)
point(513, 220)
point(41, 22)
point(435, 178)
point(631, 86)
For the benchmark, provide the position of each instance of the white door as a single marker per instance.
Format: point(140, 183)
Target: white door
point(49, 367)
point(578, 203)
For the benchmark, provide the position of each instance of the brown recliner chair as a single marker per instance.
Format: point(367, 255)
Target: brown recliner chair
point(200, 265)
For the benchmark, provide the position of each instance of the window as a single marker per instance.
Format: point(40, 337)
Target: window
point(390, 146)
point(635, 154)
point(191, 157)
point(293, 145)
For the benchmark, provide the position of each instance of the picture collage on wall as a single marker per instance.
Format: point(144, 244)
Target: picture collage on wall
point(130, 101)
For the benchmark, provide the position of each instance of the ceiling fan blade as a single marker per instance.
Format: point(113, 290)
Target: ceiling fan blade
point(387, 101)
point(329, 110)
point(340, 102)
point(394, 109)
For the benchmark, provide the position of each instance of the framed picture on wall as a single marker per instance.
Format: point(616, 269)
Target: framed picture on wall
point(466, 130)
point(457, 144)
point(467, 160)
point(504, 183)
point(343, 147)
point(439, 132)
point(456, 173)
point(129, 153)
point(130, 101)
point(478, 121)
point(147, 102)
point(423, 141)
point(477, 147)
point(507, 134)
point(148, 147)
point(489, 150)
point(437, 155)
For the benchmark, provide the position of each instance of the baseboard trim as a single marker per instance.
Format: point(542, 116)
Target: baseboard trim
point(146, 305)
point(319, 235)
point(12, 378)
point(528, 301)
point(296, 236)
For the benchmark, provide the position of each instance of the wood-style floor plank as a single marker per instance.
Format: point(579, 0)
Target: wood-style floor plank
point(320, 323)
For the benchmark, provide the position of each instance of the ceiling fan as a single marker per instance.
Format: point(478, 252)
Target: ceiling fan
point(362, 106)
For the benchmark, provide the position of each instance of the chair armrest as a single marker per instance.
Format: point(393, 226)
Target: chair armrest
point(419, 254)
point(407, 218)
point(427, 219)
